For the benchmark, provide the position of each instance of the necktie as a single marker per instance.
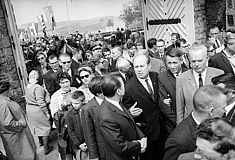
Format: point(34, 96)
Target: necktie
point(217, 43)
point(149, 89)
point(200, 80)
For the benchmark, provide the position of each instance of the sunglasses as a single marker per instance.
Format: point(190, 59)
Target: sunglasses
point(40, 58)
point(85, 76)
point(66, 62)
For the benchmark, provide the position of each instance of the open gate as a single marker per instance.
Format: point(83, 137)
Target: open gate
point(163, 17)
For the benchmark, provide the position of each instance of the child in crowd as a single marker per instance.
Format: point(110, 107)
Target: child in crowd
point(74, 125)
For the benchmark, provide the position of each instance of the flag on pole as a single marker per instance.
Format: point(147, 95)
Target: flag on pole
point(50, 16)
point(33, 29)
point(43, 26)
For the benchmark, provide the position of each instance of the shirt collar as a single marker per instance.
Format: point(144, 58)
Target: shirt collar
point(115, 103)
point(203, 73)
point(99, 100)
point(229, 107)
point(143, 80)
point(195, 119)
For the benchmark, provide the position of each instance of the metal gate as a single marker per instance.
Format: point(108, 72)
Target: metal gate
point(163, 17)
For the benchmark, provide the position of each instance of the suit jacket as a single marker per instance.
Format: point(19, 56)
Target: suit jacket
point(186, 86)
point(91, 129)
point(154, 54)
point(157, 65)
point(167, 86)
point(220, 61)
point(49, 83)
point(231, 116)
point(74, 125)
point(181, 140)
point(119, 132)
point(150, 117)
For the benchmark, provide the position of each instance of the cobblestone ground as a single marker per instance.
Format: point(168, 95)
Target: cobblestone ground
point(53, 155)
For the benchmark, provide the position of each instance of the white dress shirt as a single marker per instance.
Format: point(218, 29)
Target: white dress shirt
point(203, 75)
point(229, 107)
point(99, 100)
point(143, 82)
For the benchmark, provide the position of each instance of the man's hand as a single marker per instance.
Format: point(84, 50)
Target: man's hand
point(135, 111)
point(23, 123)
point(167, 101)
point(143, 143)
point(83, 147)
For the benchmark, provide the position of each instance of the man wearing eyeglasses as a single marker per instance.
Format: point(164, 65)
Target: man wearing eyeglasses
point(65, 61)
point(225, 60)
point(54, 64)
point(43, 67)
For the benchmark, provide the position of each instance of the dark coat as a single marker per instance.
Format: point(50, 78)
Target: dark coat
point(167, 86)
point(220, 61)
point(231, 116)
point(181, 140)
point(150, 117)
point(154, 54)
point(119, 132)
point(74, 126)
point(49, 83)
point(91, 129)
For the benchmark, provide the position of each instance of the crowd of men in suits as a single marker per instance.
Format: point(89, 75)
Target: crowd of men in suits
point(147, 102)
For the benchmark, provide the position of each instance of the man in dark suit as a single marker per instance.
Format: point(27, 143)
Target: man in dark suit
point(167, 88)
point(90, 120)
point(227, 81)
point(225, 59)
point(209, 101)
point(49, 83)
point(152, 45)
point(123, 140)
point(65, 61)
point(143, 89)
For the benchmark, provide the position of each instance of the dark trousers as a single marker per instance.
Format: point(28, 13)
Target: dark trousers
point(154, 150)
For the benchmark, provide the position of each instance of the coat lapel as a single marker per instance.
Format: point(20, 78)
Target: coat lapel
point(192, 81)
point(141, 88)
point(171, 79)
point(226, 61)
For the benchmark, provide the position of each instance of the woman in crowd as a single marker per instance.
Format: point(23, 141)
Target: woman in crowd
point(15, 133)
point(59, 106)
point(86, 74)
point(37, 99)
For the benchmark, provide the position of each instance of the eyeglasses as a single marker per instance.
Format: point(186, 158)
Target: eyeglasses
point(66, 62)
point(102, 62)
point(40, 58)
point(85, 76)
point(54, 63)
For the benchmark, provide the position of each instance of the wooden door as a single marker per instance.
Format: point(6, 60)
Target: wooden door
point(163, 17)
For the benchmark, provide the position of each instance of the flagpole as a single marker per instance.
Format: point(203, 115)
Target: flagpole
point(68, 22)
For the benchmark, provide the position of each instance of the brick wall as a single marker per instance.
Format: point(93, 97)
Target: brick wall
point(200, 20)
point(7, 64)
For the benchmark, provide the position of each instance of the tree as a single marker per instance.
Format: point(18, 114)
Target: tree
point(131, 12)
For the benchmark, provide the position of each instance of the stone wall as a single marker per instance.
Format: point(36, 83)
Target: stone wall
point(216, 14)
point(200, 20)
point(7, 63)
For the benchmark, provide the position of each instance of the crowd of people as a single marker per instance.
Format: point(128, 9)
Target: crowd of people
point(122, 100)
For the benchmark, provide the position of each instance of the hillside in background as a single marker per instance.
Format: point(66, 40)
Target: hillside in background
point(104, 24)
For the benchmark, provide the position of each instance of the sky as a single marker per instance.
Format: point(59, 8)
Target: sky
point(27, 10)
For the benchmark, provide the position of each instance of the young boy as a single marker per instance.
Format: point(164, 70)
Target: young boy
point(74, 123)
